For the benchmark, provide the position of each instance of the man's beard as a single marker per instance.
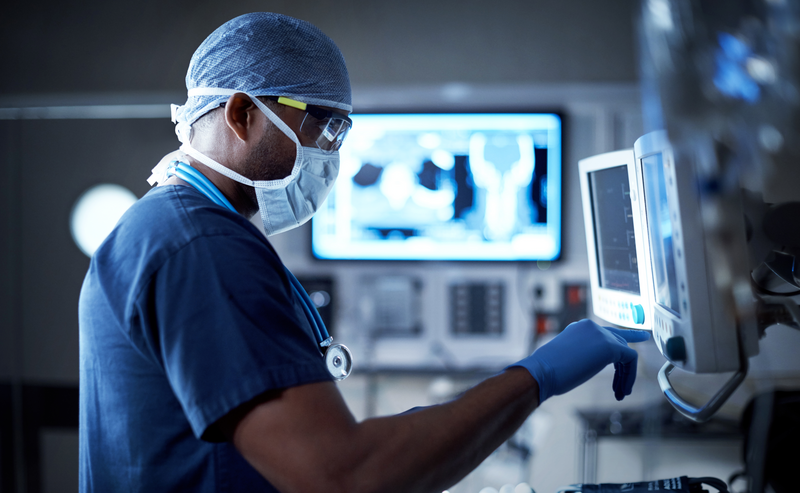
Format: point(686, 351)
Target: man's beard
point(272, 159)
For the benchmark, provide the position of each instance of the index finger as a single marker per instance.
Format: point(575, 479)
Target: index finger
point(631, 335)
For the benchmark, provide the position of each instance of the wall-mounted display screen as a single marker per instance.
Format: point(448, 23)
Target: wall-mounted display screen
point(478, 186)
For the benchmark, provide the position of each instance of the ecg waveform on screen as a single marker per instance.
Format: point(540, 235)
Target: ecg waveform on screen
point(613, 221)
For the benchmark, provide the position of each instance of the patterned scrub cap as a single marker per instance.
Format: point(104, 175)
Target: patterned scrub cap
point(267, 54)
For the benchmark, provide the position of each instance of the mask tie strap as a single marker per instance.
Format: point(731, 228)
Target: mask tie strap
point(191, 151)
point(218, 91)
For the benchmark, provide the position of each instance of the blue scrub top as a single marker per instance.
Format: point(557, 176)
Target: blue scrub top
point(185, 314)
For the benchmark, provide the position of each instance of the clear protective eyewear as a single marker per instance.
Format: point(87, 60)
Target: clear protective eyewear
point(326, 128)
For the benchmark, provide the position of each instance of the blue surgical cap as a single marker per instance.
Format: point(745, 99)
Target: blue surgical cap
point(266, 54)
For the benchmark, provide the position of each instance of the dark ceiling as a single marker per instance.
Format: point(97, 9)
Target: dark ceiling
point(144, 46)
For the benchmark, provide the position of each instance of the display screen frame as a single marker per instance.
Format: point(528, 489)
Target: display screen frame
point(402, 253)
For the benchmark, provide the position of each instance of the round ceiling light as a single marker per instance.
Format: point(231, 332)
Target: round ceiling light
point(95, 214)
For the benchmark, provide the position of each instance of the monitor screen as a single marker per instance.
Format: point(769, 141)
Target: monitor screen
point(615, 239)
point(478, 186)
point(659, 225)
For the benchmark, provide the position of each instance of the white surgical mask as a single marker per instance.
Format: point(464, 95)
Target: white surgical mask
point(284, 204)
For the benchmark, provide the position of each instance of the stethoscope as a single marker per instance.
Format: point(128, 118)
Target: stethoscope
point(338, 359)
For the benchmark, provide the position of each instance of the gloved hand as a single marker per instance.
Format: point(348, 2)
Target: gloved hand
point(580, 352)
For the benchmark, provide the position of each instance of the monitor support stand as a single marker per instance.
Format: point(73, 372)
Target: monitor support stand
point(771, 310)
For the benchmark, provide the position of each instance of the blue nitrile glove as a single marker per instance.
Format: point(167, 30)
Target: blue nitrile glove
point(578, 353)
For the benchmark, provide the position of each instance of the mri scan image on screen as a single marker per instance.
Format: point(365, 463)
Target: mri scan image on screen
point(445, 187)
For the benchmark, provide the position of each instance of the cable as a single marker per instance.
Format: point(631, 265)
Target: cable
point(713, 482)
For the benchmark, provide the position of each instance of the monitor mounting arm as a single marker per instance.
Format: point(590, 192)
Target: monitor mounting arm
point(770, 310)
point(703, 413)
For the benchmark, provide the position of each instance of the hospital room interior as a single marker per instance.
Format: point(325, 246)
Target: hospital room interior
point(513, 167)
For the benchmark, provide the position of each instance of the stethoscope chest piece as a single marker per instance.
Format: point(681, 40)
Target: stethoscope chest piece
point(339, 361)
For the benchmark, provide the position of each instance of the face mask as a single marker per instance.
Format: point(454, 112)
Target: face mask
point(287, 203)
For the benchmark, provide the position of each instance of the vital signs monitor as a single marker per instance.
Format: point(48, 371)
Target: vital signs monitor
point(618, 266)
point(651, 264)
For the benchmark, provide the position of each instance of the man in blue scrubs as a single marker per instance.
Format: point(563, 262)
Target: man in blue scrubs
point(199, 368)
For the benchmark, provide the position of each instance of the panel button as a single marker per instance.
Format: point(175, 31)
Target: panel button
point(638, 314)
point(675, 349)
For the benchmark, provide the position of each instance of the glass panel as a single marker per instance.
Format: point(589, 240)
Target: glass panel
point(659, 225)
point(615, 242)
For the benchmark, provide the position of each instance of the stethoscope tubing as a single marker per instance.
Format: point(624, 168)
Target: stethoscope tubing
point(203, 185)
point(310, 308)
point(196, 179)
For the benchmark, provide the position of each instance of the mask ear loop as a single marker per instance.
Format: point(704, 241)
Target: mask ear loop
point(275, 119)
point(298, 156)
point(216, 91)
point(191, 151)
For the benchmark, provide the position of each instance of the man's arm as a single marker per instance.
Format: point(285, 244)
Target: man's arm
point(306, 439)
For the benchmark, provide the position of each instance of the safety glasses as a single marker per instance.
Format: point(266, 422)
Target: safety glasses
point(326, 128)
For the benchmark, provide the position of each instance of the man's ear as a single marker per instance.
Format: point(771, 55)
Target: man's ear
point(239, 115)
